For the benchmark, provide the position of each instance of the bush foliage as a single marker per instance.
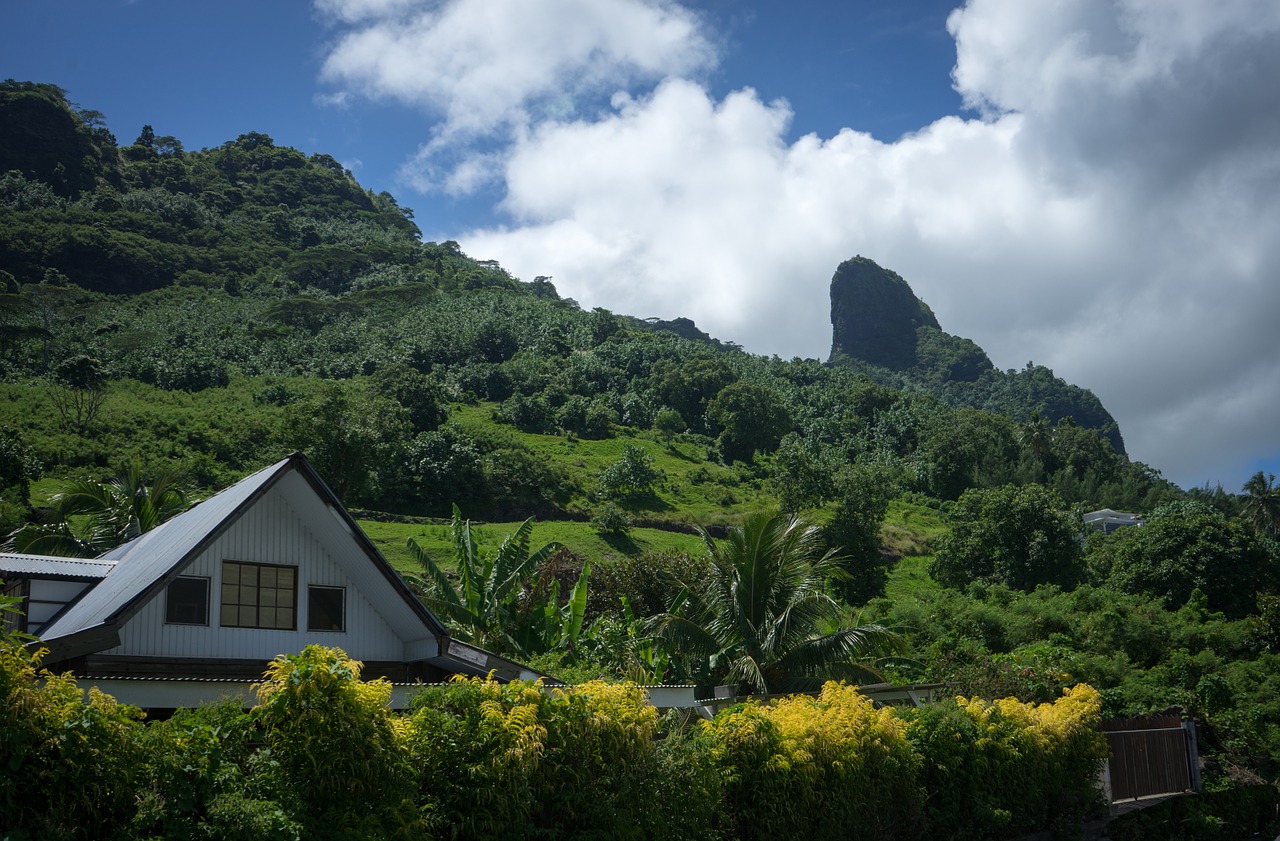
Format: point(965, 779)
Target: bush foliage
point(322, 756)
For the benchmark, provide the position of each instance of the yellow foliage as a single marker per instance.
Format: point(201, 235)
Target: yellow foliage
point(1077, 714)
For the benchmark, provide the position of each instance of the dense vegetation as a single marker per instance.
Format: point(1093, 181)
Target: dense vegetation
point(321, 756)
point(202, 313)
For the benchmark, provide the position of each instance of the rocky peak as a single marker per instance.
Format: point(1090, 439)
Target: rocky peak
point(875, 315)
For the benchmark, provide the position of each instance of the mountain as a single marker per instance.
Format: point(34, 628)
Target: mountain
point(881, 328)
point(208, 311)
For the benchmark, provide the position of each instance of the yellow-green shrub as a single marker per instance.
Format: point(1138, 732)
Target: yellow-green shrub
point(832, 765)
point(505, 761)
point(337, 754)
point(595, 778)
point(477, 744)
point(1000, 768)
point(67, 766)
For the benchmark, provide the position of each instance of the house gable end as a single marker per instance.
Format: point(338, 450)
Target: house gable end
point(299, 548)
point(279, 510)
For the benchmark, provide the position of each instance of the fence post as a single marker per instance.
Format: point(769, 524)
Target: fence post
point(1193, 754)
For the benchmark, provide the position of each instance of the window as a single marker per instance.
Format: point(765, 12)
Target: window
point(325, 609)
point(187, 601)
point(259, 596)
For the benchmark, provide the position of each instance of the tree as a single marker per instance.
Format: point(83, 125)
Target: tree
point(1020, 536)
point(669, 424)
point(1036, 435)
point(18, 466)
point(751, 419)
point(690, 385)
point(80, 392)
point(420, 394)
point(483, 608)
point(854, 532)
point(758, 617)
point(351, 437)
point(86, 519)
point(1187, 546)
point(631, 476)
point(1262, 503)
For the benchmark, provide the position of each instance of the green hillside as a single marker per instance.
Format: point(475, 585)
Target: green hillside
point(206, 312)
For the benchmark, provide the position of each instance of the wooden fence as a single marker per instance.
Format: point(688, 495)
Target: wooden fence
point(1151, 755)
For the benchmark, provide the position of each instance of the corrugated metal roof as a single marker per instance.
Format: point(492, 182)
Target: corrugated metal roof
point(145, 564)
point(52, 567)
point(150, 557)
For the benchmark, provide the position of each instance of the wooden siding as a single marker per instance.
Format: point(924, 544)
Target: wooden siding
point(272, 533)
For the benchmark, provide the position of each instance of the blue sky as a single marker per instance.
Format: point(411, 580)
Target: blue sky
point(1089, 184)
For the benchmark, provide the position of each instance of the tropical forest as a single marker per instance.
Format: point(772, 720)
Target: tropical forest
point(615, 501)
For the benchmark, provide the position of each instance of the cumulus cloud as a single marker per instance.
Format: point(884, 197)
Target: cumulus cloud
point(1111, 213)
point(490, 67)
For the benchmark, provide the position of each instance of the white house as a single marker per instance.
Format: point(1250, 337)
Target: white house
point(195, 608)
point(1107, 521)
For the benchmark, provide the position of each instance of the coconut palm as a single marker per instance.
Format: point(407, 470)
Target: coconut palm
point(88, 518)
point(762, 617)
point(1262, 503)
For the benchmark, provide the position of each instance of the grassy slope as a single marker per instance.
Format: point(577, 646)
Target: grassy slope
point(164, 428)
point(692, 490)
point(580, 538)
point(908, 529)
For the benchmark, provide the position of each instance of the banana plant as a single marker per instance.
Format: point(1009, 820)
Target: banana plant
point(544, 624)
point(483, 608)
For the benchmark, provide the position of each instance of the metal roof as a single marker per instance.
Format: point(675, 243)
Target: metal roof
point(43, 566)
point(143, 566)
point(148, 558)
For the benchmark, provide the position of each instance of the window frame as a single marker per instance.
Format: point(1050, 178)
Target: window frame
point(257, 606)
point(168, 604)
point(311, 588)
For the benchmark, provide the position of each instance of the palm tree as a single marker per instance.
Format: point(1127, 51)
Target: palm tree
point(758, 618)
point(483, 609)
point(1262, 503)
point(88, 518)
point(1036, 435)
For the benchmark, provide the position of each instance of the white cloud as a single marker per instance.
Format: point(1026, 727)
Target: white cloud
point(355, 11)
point(489, 67)
point(1112, 215)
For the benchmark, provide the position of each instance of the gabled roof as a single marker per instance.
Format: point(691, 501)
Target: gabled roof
point(142, 567)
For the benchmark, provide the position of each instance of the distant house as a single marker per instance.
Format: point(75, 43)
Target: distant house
point(199, 605)
point(1107, 521)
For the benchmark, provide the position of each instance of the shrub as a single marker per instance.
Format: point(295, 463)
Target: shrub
point(1011, 767)
point(595, 776)
point(195, 785)
point(477, 744)
point(609, 519)
point(833, 766)
point(70, 766)
point(508, 761)
point(1245, 812)
point(337, 752)
point(631, 476)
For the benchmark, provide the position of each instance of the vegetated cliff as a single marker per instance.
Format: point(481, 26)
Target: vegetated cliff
point(875, 315)
point(881, 327)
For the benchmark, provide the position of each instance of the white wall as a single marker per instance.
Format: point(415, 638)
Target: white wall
point(270, 532)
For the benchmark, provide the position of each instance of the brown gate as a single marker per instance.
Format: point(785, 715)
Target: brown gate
point(1149, 755)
